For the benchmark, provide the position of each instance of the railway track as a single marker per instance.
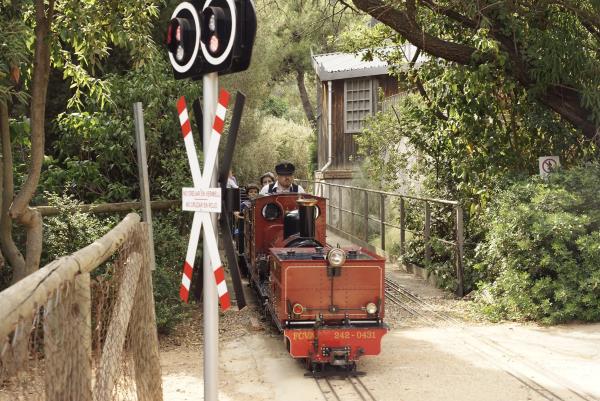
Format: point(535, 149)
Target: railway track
point(516, 366)
point(346, 388)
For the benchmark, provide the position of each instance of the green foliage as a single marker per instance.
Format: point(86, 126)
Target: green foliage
point(169, 229)
point(14, 53)
point(275, 107)
point(541, 257)
point(71, 229)
point(94, 155)
point(279, 139)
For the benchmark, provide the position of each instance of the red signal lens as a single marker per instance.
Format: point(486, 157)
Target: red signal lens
point(178, 33)
point(213, 45)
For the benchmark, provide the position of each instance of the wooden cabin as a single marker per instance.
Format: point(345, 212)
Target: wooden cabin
point(348, 93)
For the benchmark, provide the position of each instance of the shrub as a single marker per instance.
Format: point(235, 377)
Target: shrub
point(541, 256)
point(171, 232)
point(71, 229)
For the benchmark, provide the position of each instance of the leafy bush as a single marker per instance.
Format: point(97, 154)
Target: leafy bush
point(541, 256)
point(71, 229)
point(170, 243)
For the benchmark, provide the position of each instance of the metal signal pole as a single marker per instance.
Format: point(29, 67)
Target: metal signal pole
point(210, 87)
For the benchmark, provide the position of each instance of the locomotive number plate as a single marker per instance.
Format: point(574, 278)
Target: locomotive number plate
point(359, 335)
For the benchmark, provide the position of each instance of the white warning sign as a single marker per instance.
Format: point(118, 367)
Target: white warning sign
point(548, 164)
point(201, 200)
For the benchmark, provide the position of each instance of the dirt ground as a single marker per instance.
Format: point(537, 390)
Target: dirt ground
point(440, 353)
point(437, 349)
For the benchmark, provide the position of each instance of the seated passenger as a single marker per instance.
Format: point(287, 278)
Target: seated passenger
point(252, 191)
point(285, 180)
point(266, 179)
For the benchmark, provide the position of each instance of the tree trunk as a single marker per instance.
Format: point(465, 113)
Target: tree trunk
point(19, 209)
point(308, 108)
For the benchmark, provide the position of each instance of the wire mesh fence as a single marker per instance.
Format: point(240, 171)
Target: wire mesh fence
point(83, 327)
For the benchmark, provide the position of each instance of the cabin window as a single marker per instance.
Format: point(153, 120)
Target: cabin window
point(358, 102)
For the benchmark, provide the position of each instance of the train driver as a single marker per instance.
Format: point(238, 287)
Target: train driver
point(285, 180)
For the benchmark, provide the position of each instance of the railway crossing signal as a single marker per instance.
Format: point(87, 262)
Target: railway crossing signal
point(211, 36)
point(201, 199)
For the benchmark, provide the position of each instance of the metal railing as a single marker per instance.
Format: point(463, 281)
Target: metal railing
point(368, 205)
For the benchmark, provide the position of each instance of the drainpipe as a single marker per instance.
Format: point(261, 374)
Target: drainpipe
point(329, 127)
point(329, 130)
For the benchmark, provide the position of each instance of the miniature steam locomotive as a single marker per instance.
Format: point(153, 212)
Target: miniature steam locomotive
point(328, 302)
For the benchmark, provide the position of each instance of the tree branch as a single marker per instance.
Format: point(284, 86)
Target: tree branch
point(39, 88)
point(308, 108)
point(401, 22)
point(564, 102)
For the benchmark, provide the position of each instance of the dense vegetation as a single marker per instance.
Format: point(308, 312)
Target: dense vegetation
point(541, 255)
point(480, 108)
point(502, 84)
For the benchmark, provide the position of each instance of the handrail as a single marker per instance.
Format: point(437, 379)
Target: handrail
point(428, 238)
point(376, 191)
point(21, 299)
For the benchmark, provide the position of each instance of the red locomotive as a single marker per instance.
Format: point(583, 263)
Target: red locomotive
point(328, 302)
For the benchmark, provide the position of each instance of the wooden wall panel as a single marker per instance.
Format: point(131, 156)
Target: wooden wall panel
point(344, 145)
point(388, 84)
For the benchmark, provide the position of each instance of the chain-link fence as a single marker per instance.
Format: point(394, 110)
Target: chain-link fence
point(83, 327)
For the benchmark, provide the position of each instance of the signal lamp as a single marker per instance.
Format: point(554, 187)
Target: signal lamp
point(336, 257)
point(297, 309)
point(207, 36)
point(219, 29)
point(183, 39)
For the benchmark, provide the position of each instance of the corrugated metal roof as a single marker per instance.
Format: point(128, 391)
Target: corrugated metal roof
point(332, 66)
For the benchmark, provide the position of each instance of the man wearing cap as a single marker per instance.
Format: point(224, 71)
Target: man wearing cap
point(285, 180)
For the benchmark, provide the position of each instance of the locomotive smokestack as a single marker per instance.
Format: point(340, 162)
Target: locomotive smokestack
point(306, 209)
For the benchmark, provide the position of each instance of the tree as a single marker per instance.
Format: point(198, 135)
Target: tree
point(550, 47)
point(74, 37)
point(296, 29)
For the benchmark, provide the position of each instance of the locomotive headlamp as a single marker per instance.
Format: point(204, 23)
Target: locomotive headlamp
point(336, 257)
point(371, 308)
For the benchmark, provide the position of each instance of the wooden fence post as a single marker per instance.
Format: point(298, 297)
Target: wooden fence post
point(366, 216)
point(115, 337)
point(382, 220)
point(68, 342)
point(340, 225)
point(427, 233)
point(143, 331)
point(352, 226)
point(459, 251)
point(402, 227)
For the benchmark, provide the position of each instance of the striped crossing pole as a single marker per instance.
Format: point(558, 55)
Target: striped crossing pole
point(202, 219)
